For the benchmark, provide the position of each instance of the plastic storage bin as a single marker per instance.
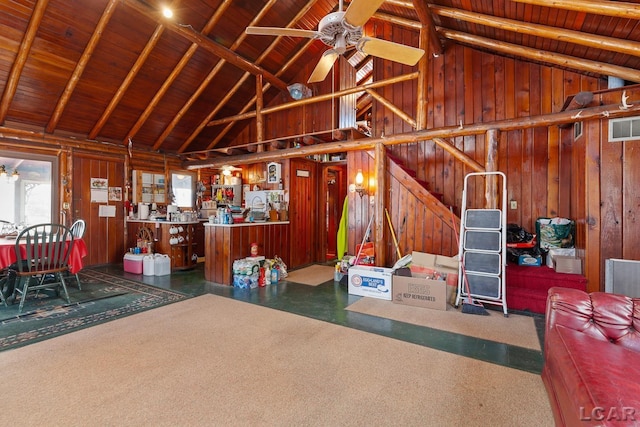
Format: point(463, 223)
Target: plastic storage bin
point(133, 263)
point(162, 264)
point(148, 265)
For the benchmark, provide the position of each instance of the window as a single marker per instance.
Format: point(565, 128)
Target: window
point(624, 129)
point(577, 130)
point(26, 187)
point(182, 186)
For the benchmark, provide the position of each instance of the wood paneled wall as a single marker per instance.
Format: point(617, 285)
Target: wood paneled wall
point(467, 86)
point(104, 236)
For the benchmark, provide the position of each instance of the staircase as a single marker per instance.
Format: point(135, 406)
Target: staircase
point(413, 174)
point(433, 200)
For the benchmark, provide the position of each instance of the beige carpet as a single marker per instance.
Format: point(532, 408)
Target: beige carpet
point(515, 329)
point(313, 275)
point(215, 361)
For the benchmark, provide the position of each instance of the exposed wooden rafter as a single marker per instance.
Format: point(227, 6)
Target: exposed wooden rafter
point(561, 60)
point(215, 18)
point(208, 44)
point(315, 99)
point(558, 34)
point(608, 8)
point(16, 69)
point(262, 57)
point(81, 65)
point(545, 120)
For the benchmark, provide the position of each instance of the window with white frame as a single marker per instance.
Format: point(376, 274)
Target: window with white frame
point(26, 188)
point(183, 189)
point(624, 129)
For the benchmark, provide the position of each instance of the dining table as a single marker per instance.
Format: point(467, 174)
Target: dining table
point(8, 253)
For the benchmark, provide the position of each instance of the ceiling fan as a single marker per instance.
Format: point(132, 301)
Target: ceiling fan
point(342, 29)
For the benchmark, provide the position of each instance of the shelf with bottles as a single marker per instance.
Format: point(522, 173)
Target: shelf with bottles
point(227, 194)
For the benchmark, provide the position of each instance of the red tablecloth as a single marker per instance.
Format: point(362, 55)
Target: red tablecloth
point(8, 254)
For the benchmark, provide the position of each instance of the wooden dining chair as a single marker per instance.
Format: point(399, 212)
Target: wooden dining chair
point(77, 229)
point(4, 285)
point(41, 251)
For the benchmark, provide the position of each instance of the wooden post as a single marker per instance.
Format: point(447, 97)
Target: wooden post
point(259, 121)
point(378, 193)
point(491, 189)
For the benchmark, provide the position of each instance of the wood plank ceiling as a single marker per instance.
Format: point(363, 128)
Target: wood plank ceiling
point(116, 71)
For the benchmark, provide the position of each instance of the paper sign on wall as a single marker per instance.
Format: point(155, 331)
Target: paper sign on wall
point(107, 211)
point(99, 190)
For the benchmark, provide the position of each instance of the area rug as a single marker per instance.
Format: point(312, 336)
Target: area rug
point(211, 360)
point(514, 330)
point(313, 275)
point(103, 297)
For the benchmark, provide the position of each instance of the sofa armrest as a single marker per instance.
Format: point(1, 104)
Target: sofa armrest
point(604, 316)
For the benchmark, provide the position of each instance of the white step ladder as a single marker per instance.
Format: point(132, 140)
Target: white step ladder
point(482, 249)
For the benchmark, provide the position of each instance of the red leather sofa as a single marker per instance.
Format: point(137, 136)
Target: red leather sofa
point(592, 358)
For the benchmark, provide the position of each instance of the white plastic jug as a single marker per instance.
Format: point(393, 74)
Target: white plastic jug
point(148, 265)
point(162, 264)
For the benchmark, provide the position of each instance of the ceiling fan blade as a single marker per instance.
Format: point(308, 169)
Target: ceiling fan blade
point(276, 31)
point(359, 11)
point(324, 66)
point(396, 52)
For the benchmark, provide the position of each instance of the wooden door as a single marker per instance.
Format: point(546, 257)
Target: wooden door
point(304, 214)
point(333, 193)
point(104, 236)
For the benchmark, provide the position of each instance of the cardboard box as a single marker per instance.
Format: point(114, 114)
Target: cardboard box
point(433, 282)
point(530, 260)
point(421, 292)
point(370, 281)
point(567, 264)
point(554, 252)
point(427, 265)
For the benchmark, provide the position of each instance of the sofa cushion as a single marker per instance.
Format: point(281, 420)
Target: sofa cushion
point(608, 317)
point(592, 380)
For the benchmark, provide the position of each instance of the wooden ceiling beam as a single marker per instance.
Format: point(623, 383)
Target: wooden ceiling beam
point(206, 43)
point(11, 84)
point(284, 68)
point(168, 82)
point(12, 136)
point(552, 33)
point(315, 99)
point(428, 27)
point(204, 84)
point(133, 72)
point(609, 111)
point(81, 65)
point(609, 8)
point(218, 107)
point(565, 61)
point(397, 111)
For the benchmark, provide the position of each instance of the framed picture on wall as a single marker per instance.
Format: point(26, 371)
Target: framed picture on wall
point(273, 173)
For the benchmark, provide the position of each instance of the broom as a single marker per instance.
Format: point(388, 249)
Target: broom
point(468, 305)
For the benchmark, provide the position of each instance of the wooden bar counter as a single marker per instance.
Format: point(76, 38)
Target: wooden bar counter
point(225, 243)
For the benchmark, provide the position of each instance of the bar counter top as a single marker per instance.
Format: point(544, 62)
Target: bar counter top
point(161, 221)
point(245, 224)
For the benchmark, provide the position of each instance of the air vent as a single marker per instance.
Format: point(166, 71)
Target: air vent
point(624, 129)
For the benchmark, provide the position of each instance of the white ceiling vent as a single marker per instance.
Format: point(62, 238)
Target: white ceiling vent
point(624, 129)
